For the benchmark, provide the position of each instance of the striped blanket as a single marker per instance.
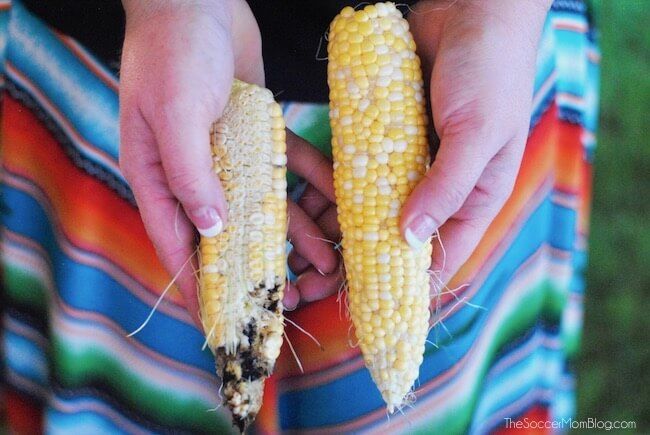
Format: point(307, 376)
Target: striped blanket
point(78, 272)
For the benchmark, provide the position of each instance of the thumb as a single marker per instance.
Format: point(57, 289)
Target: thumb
point(445, 187)
point(182, 134)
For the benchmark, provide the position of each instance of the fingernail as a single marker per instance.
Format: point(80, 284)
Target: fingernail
point(419, 231)
point(207, 221)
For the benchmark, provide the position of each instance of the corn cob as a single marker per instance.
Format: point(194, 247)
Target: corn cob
point(242, 270)
point(379, 143)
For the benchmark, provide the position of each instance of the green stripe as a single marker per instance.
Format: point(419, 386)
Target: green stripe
point(77, 369)
point(23, 288)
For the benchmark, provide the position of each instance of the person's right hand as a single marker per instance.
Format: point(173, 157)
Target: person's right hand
point(178, 64)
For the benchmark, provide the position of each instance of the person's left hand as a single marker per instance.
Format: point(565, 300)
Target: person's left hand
point(478, 58)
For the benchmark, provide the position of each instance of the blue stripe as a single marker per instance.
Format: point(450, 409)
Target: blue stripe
point(564, 228)
point(25, 358)
point(85, 100)
point(89, 289)
point(86, 422)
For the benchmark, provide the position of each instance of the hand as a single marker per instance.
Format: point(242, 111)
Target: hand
point(479, 60)
point(178, 64)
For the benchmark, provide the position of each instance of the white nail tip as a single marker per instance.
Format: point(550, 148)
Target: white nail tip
point(413, 240)
point(213, 230)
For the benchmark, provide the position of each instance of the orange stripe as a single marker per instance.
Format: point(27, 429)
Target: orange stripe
point(91, 215)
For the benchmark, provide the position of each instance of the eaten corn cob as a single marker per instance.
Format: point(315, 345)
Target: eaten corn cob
point(242, 270)
point(379, 143)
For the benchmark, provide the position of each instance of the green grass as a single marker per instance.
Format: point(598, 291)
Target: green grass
point(614, 364)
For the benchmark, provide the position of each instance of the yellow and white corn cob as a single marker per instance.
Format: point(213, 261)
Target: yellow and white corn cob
point(242, 270)
point(379, 143)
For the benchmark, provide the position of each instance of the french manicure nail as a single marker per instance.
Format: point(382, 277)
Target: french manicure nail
point(207, 221)
point(419, 231)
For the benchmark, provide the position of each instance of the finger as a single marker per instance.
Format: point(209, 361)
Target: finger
point(460, 235)
point(168, 228)
point(297, 263)
point(309, 163)
point(444, 188)
point(313, 286)
point(291, 297)
point(313, 202)
point(308, 240)
point(180, 115)
point(329, 224)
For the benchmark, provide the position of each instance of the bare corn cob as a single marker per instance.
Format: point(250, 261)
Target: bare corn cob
point(378, 119)
point(242, 270)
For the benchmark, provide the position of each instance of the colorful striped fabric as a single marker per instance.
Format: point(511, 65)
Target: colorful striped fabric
point(79, 273)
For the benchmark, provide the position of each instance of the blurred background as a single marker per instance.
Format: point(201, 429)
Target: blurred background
point(614, 365)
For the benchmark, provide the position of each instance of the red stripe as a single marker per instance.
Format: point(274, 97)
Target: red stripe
point(24, 416)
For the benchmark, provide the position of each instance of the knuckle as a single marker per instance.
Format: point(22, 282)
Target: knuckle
point(450, 196)
point(183, 184)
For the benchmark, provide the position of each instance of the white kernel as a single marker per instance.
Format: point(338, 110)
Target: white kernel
point(383, 258)
point(346, 120)
point(347, 185)
point(334, 113)
point(386, 71)
point(395, 96)
point(279, 159)
point(387, 143)
point(257, 218)
point(400, 146)
point(349, 149)
point(357, 199)
point(384, 190)
point(256, 236)
point(359, 172)
point(353, 88)
point(383, 81)
point(396, 60)
point(381, 49)
point(382, 158)
point(382, 181)
point(411, 129)
point(412, 175)
point(398, 29)
point(210, 268)
point(360, 160)
point(371, 236)
point(363, 104)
